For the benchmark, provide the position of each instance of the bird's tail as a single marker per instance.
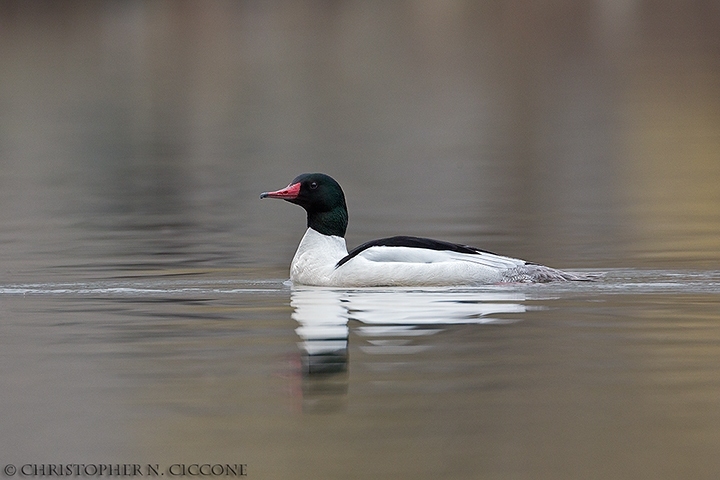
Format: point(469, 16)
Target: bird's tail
point(533, 273)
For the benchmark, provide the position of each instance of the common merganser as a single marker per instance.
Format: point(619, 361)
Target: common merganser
point(322, 258)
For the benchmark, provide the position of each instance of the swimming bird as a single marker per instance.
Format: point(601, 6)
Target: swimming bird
point(322, 257)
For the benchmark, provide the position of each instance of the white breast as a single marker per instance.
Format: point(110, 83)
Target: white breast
point(315, 259)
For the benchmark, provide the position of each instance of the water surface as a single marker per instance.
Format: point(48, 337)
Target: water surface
point(145, 314)
point(448, 382)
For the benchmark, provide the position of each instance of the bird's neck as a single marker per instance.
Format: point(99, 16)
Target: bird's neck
point(333, 222)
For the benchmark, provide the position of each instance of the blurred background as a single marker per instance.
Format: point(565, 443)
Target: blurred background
point(142, 311)
point(583, 134)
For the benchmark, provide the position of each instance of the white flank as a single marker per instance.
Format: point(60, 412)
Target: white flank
point(317, 256)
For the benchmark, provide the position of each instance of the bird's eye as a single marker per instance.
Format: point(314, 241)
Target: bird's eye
point(313, 185)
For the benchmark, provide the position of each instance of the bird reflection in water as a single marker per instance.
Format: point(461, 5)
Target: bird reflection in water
point(323, 315)
point(390, 319)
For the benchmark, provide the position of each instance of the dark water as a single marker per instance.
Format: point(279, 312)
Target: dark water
point(144, 313)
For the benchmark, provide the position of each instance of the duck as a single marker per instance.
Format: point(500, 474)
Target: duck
point(322, 258)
